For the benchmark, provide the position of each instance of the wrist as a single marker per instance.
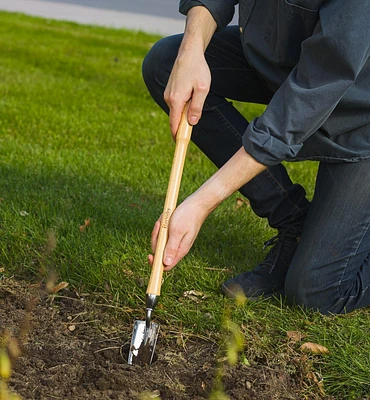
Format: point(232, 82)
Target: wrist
point(199, 29)
point(200, 205)
point(206, 199)
point(239, 170)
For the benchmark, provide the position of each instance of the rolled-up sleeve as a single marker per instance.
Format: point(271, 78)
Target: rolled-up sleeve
point(330, 61)
point(222, 10)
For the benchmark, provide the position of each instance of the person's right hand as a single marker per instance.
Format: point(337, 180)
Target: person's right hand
point(190, 79)
point(183, 229)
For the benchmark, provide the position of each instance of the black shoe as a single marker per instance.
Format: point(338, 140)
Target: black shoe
point(268, 278)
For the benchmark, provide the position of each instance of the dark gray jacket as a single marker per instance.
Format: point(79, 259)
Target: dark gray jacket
point(315, 55)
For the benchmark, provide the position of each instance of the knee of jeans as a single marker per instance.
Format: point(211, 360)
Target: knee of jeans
point(151, 70)
point(157, 64)
point(301, 292)
point(306, 293)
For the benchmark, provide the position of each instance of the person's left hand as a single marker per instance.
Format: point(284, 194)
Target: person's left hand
point(184, 227)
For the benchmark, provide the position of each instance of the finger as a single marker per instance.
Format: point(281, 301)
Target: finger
point(175, 110)
point(178, 252)
point(174, 239)
point(175, 117)
point(150, 259)
point(196, 104)
point(182, 251)
point(155, 232)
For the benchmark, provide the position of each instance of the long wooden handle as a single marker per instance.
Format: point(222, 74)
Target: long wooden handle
point(182, 141)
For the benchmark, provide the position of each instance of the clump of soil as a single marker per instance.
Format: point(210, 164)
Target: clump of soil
point(75, 350)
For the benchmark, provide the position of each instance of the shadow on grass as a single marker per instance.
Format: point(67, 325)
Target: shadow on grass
point(35, 202)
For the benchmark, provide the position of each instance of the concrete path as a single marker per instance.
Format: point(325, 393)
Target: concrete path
point(157, 8)
point(153, 16)
point(97, 16)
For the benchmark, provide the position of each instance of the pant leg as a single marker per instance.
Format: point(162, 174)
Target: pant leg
point(330, 271)
point(219, 132)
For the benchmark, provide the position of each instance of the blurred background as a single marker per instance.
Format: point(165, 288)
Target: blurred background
point(152, 16)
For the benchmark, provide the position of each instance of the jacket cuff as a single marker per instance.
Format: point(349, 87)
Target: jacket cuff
point(221, 11)
point(267, 149)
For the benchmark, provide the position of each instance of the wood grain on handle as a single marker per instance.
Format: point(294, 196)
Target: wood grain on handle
point(182, 141)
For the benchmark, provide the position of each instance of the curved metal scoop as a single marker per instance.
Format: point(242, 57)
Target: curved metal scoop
point(143, 343)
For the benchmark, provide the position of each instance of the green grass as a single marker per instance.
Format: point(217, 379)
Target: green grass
point(80, 138)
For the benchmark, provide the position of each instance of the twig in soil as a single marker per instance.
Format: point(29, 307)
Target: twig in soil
point(68, 298)
point(58, 366)
point(82, 322)
point(127, 310)
point(108, 348)
point(73, 317)
point(35, 388)
point(109, 339)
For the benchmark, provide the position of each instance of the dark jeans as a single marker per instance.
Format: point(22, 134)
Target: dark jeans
point(320, 277)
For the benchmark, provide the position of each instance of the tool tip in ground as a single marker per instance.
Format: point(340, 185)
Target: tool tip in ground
point(145, 336)
point(143, 343)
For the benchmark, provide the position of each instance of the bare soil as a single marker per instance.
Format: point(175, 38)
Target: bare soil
point(73, 349)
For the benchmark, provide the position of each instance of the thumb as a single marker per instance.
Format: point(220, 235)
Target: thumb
point(196, 105)
point(194, 112)
point(171, 249)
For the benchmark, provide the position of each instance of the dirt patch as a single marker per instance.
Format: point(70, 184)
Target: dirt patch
point(75, 350)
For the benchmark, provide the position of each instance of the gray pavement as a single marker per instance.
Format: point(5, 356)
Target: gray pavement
point(160, 8)
point(96, 16)
point(157, 16)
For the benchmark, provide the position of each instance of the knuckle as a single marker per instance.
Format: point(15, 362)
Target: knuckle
point(183, 251)
point(173, 98)
point(202, 87)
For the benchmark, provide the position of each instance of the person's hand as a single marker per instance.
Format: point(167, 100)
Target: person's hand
point(189, 216)
point(190, 79)
point(184, 227)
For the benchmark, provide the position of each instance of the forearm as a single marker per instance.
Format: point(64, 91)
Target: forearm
point(238, 171)
point(199, 29)
point(187, 219)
